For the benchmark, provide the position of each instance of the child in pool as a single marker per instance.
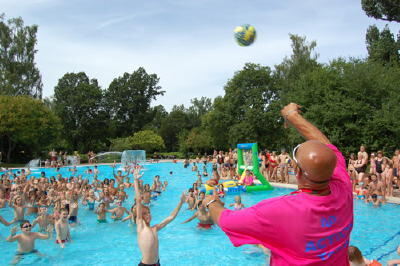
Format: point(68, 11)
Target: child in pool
point(148, 235)
point(205, 173)
point(356, 258)
point(132, 214)
point(238, 205)
point(101, 213)
point(190, 200)
point(221, 191)
point(62, 229)
point(200, 197)
point(90, 200)
point(146, 194)
point(44, 220)
point(26, 240)
point(248, 180)
point(205, 221)
point(118, 212)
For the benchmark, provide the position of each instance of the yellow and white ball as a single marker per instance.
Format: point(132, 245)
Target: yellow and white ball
point(245, 34)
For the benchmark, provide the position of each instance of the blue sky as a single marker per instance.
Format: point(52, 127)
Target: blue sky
point(188, 43)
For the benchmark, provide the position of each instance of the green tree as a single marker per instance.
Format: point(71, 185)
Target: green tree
point(382, 46)
point(198, 108)
point(243, 114)
point(28, 123)
point(198, 141)
point(388, 10)
point(79, 102)
point(176, 121)
point(120, 144)
point(128, 100)
point(158, 113)
point(147, 140)
point(18, 72)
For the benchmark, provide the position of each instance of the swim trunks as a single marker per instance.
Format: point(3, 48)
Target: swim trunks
point(72, 219)
point(62, 241)
point(204, 226)
point(91, 206)
point(143, 264)
point(19, 253)
point(103, 221)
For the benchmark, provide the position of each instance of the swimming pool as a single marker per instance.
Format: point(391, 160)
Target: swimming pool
point(375, 231)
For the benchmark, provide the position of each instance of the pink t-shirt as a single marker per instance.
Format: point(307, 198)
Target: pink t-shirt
point(248, 180)
point(299, 229)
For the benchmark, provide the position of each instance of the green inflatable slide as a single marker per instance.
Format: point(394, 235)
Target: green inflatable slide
point(251, 163)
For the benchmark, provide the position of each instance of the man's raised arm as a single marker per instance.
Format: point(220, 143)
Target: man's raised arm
point(291, 113)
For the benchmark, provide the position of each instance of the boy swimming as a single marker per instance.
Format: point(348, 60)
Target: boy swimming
point(205, 221)
point(26, 240)
point(62, 229)
point(147, 235)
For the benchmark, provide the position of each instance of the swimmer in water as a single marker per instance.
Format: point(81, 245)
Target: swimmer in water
point(147, 235)
point(26, 240)
point(62, 229)
point(205, 221)
point(238, 205)
point(118, 212)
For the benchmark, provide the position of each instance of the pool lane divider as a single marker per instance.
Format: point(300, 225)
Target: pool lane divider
point(369, 252)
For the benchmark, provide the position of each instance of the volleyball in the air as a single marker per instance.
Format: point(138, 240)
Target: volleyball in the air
point(245, 34)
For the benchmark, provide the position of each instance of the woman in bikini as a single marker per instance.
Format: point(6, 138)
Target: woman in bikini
point(273, 166)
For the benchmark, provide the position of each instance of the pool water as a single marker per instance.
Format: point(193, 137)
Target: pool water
point(376, 230)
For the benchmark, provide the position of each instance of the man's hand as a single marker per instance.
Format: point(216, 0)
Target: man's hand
point(289, 109)
point(214, 197)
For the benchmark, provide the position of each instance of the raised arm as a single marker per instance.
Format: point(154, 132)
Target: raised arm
point(127, 217)
point(173, 214)
point(45, 236)
point(191, 218)
point(214, 205)
point(138, 197)
point(291, 113)
point(12, 237)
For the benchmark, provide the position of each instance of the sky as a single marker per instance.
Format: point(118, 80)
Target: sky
point(189, 44)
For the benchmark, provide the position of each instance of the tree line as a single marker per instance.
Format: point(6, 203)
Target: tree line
point(353, 100)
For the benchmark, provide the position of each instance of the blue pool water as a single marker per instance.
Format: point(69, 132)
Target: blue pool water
point(376, 231)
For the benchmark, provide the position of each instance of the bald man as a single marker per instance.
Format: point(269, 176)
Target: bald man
point(312, 225)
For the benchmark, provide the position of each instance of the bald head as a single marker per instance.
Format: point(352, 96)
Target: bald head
point(316, 160)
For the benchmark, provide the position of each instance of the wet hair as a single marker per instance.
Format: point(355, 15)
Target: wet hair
point(24, 222)
point(191, 190)
point(199, 203)
point(145, 207)
point(355, 255)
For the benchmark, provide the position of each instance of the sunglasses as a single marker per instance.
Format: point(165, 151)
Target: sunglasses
point(304, 173)
point(27, 226)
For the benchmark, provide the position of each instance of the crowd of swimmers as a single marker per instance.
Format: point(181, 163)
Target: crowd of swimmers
point(55, 201)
